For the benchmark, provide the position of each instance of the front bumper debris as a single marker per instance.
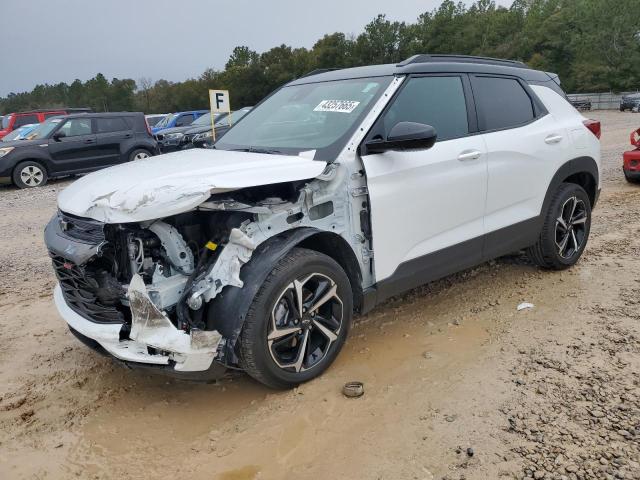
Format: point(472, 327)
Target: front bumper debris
point(152, 342)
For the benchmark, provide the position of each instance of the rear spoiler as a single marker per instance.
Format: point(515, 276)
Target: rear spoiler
point(554, 77)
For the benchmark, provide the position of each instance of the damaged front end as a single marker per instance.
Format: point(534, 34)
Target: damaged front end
point(143, 286)
point(149, 292)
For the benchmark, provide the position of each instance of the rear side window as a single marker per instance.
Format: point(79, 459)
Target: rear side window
point(502, 103)
point(435, 101)
point(25, 120)
point(108, 125)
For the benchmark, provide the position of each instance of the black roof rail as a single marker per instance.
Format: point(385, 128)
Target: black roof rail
point(317, 71)
point(429, 58)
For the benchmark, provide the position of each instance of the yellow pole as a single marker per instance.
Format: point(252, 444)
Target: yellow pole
point(213, 125)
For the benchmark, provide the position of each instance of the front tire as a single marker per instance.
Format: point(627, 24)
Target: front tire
point(565, 231)
point(298, 321)
point(30, 174)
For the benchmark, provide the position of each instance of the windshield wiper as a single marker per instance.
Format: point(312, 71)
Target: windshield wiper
point(257, 150)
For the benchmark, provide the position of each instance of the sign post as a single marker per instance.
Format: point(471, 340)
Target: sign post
point(219, 101)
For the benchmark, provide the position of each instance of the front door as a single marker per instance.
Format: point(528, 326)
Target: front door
point(427, 206)
point(76, 149)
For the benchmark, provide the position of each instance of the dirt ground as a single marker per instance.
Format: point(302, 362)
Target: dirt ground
point(458, 384)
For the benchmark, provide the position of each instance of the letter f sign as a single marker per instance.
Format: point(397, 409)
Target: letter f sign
point(219, 100)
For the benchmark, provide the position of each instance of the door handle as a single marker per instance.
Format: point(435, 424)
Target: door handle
point(553, 139)
point(89, 140)
point(469, 155)
point(128, 135)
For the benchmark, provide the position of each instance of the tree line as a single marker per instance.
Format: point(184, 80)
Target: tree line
point(594, 45)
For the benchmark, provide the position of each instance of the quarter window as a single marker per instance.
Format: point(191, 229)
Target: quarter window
point(108, 125)
point(502, 103)
point(435, 101)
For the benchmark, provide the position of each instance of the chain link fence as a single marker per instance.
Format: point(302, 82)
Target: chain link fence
point(600, 101)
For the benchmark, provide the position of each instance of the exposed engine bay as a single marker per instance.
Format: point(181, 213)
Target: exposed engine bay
point(156, 278)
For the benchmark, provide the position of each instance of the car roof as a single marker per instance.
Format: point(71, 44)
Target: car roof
point(103, 115)
point(431, 64)
point(47, 110)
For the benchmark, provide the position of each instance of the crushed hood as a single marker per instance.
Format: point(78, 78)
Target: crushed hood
point(176, 182)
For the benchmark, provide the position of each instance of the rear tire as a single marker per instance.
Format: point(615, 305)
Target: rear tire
point(139, 154)
point(565, 231)
point(298, 321)
point(30, 174)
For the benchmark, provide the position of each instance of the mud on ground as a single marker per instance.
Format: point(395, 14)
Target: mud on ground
point(458, 384)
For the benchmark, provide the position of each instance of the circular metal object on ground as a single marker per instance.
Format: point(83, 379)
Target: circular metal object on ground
point(353, 389)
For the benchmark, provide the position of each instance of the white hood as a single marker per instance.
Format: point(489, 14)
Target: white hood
point(177, 182)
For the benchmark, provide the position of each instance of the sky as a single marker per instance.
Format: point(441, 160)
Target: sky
point(46, 41)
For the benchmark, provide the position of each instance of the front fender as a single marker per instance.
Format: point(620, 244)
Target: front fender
point(226, 313)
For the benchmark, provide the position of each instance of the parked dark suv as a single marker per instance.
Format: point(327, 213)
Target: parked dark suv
point(16, 120)
point(75, 144)
point(630, 102)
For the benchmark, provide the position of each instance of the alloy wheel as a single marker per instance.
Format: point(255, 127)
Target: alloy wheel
point(305, 322)
point(571, 227)
point(31, 176)
point(141, 156)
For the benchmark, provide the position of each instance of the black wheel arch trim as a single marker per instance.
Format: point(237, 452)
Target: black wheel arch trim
point(227, 312)
point(32, 157)
point(576, 166)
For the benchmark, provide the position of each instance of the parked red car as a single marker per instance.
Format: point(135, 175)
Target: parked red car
point(17, 119)
point(631, 159)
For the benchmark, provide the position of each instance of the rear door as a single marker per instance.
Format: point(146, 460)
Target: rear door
point(427, 206)
point(77, 150)
point(523, 143)
point(111, 133)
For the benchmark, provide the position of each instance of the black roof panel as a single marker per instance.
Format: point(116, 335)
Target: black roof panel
point(432, 64)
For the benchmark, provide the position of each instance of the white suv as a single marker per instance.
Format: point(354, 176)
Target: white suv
point(339, 190)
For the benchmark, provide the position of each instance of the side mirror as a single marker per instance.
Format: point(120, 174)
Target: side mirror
point(58, 135)
point(405, 136)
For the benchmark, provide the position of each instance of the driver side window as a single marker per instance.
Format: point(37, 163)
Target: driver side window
point(76, 127)
point(436, 101)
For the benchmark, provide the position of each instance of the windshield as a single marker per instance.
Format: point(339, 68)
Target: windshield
point(316, 116)
point(153, 120)
point(235, 116)
point(18, 133)
point(44, 129)
point(166, 120)
point(204, 119)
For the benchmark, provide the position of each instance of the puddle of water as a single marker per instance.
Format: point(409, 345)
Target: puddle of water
point(249, 472)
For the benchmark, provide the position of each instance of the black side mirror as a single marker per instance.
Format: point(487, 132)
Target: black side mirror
point(58, 135)
point(405, 136)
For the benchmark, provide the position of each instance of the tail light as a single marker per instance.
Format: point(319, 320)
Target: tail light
point(148, 127)
point(594, 127)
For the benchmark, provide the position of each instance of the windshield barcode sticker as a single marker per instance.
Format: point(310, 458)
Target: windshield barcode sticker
point(340, 106)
